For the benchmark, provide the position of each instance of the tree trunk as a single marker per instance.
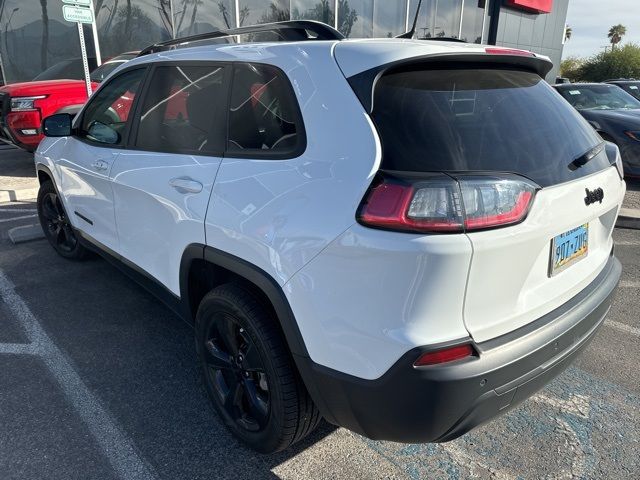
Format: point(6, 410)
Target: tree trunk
point(44, 46)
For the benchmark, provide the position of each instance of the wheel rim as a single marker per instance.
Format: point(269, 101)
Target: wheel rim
point(57, 224)
point(236, 373)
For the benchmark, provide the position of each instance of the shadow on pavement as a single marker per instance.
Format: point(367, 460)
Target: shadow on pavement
point(139, 360)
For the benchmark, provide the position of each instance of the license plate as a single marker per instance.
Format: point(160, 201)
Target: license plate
point(568, 248)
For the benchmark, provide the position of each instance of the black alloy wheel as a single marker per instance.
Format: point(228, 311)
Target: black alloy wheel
point(237, 373)
point(248, 370)
point(55, 223)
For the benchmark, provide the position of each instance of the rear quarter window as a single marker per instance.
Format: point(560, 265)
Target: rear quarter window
point(480, 119)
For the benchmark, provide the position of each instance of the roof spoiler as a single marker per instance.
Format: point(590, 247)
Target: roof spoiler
point(289, 31)
point(364, 83)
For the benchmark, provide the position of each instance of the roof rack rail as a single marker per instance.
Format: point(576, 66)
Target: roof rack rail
point(290, 31)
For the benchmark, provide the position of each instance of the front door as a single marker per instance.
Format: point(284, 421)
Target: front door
point(163, 181)
point(89, 155)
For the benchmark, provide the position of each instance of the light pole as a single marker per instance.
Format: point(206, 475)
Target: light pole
point(6, 31)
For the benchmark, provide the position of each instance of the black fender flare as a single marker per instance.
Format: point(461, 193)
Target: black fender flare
point(252, 273)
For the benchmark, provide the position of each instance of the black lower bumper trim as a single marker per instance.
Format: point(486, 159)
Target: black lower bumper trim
point(440, 403)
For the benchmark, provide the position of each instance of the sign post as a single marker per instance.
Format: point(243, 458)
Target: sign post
point(79, 14)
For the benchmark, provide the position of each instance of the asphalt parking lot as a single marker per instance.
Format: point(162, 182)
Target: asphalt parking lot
point(98, 380)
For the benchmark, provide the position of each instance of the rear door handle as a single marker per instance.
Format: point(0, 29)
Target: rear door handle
point(186, 185)
point(100, 165)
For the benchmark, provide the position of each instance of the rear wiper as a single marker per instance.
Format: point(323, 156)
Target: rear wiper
point(586, 157)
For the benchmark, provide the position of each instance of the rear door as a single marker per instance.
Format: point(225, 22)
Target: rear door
point(501, 121)
point(163, 181)
point(89, 155)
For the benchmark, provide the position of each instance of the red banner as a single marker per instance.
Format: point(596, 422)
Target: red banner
point(538, 6)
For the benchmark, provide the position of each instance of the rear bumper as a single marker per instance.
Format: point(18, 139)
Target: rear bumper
point(440, 403)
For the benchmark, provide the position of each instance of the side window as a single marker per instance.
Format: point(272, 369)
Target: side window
point(263, 114)
point(105, 118)
point(183, 110)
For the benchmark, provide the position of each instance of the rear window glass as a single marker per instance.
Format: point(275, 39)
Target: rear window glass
point(481, 119)
point(263, 115)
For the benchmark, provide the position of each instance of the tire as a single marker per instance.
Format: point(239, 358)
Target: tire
point(55, 224)
point(253, 385)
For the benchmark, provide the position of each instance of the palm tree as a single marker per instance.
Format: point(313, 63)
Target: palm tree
point(615, 34)
point(567, 33)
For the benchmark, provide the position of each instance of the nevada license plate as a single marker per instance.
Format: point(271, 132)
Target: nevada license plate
point(568, 248)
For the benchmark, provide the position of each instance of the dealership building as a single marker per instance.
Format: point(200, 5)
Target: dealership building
point(34, 35)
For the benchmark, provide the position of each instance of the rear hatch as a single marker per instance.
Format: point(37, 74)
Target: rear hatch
point(539, 219)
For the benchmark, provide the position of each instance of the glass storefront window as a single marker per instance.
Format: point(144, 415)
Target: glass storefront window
point(132, 25)
point(319, 10)
point(253, 12)
point(355, 18)
point(34, 37)
point(389, 18)
point(472, 19)
point(193, 17)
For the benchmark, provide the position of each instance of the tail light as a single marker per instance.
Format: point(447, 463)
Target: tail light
point(441, 203)
point(444, 355)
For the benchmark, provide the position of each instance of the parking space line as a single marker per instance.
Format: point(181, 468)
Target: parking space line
point(21, 210)
point(628, 284)
point(115, 446)
point(18, 348)
point(623, 327)
point(626, 243)
point(16, 218)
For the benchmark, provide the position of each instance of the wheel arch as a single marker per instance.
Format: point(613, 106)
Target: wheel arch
point(203, 268)
point(44, 174)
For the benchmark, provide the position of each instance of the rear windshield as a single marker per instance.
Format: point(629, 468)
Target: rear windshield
point(438, 119)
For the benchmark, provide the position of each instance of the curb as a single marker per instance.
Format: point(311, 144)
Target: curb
point(25, 233)
point(18, 195)
point(629, 218)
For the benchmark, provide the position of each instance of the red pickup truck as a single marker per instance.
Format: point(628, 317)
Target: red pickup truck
point(59, 89)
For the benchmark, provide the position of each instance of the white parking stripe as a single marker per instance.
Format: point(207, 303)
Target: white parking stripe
point(114, 444)
point(11, 210)
point(17, 218)
point(626, 243)
point(17, 348)
point(629, 284)
point(623, 327)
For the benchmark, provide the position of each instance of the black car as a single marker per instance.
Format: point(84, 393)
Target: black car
point(629, 85)
point(613, 113)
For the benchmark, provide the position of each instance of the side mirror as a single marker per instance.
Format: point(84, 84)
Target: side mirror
point(58, 125)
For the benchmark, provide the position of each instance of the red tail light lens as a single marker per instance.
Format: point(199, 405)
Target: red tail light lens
point(445, 355)
point(431, 206)
point(444, 204)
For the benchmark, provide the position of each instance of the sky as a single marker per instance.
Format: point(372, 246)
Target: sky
point(590, 21)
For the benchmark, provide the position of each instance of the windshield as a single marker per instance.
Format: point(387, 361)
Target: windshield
point(631, 88)
point(67, 69)
point(443, 119)
point(103, 71)
point(599, 97)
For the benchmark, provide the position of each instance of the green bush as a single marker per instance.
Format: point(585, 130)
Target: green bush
point(622, 62)
point(570, 68)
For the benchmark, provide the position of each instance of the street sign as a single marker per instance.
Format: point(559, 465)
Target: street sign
point(72, 13)
point(84, 3)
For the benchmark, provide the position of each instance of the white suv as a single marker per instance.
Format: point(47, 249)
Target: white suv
point(404, 237)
